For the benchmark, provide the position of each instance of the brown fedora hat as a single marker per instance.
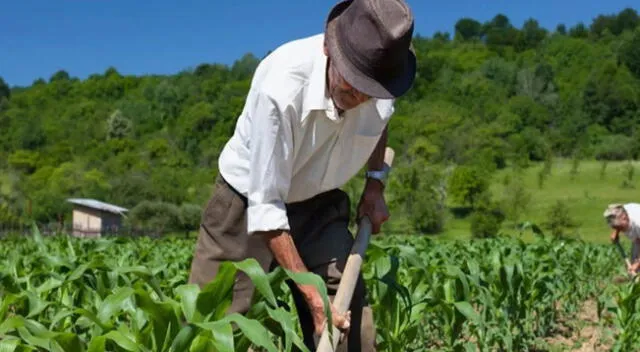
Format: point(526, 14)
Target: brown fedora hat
point(369, 41)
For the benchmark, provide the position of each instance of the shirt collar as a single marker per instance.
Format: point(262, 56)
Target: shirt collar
point(315, 97)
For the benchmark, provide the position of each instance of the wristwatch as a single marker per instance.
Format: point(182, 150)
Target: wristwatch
point(379, 175)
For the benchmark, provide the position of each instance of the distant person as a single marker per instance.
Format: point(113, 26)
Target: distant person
point(315, 115)
point(625, 218)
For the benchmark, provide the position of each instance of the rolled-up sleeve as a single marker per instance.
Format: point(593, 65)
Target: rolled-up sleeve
point(271, 167)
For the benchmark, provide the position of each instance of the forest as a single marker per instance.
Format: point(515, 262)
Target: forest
point(487, 97)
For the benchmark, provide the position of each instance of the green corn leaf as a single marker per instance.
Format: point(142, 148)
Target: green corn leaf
point(49, 285)
point(203, 344)
point(93, 318)
point(146, 275)
point(37, 237)
point(78, 271)
point(123, 340)
point(222, 334)
point(37, 336)
point(184, 339)
point(467, 310)
point(188, 299)
point(69, 342)
point(287, 323)
point(253, 331)
point(258, 277)
point(9, 344)
point(36, 305)
point(163, 315)
point(112, 304)
point(97, 344)
point(216, 296)
point(310, 278)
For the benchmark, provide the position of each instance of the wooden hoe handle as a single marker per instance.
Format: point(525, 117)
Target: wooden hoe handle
point(342, 300)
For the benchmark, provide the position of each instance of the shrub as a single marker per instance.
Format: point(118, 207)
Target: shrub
point(487, 217)
point(559, 219)
point(466, 184)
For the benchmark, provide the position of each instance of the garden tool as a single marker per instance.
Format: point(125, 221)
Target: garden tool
point(343, 297)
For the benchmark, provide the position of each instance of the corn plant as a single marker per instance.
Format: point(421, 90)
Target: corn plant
point(60, 293)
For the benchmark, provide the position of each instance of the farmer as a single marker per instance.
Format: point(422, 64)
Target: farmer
point(315, 115)
point(626, 218)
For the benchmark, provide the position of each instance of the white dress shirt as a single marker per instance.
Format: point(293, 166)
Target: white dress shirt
point(289, 142)
point(633, 211)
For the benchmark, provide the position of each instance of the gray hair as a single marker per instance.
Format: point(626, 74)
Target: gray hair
point(612, 214)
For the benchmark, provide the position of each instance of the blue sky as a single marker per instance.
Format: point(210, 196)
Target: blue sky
point(139, 37)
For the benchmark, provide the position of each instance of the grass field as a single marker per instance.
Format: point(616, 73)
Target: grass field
point(587, 194)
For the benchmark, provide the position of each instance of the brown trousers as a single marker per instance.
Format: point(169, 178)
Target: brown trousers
point(320, 233)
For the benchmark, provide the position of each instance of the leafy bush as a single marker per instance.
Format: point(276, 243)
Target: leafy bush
point(419, 193)
point(466, 184)
point(157, 216)
point(617, 147)
point(559, 219)
point(487, 218)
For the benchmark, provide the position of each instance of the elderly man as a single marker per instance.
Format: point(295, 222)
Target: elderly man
point(315, 115)
point(626, 218)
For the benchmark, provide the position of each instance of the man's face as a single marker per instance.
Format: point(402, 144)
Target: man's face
point(623, 221)
point(344, 96)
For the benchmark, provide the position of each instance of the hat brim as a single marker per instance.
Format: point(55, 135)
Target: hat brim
point(390, 89)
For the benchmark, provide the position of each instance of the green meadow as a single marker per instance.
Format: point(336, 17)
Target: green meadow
point(586, 190)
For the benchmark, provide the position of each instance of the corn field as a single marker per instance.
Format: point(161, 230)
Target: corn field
point(59, 293)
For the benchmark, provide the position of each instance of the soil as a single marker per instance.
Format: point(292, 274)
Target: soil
point(584, 334)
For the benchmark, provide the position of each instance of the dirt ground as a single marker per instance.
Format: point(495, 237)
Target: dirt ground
point(585, 333)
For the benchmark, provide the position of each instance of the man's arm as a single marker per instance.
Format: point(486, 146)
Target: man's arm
point(376, 160)
point(372, 203)
point(284, 251)
point(270, 172)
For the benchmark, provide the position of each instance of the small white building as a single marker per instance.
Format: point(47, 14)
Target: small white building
point(92, 218)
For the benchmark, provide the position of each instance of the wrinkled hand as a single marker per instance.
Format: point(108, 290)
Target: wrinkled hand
point(373, 205)
point(341, 321)
point(614, 237)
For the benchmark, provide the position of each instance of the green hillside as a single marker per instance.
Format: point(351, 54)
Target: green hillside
point(586, 193)
point(489, 98)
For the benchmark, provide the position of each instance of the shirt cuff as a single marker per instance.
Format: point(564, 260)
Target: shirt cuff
point(267, 217)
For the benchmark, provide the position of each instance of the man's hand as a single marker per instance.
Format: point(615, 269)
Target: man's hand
point(284, 250)
point(615, 236)
point(373, 205)
point(633, 268)
point(341, 321)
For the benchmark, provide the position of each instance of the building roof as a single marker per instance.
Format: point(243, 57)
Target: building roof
point(96, 204)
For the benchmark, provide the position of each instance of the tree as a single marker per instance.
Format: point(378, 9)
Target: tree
point(468, 29)
point(466, 185)
point(444, 37)
point(5, 91)
point(155, 216)
point(494, 97)
point(189, 217)
point(627, 19)
point(579, 31)
point(60, 75)
point(630, 54)
point(531, 35)
point(559, 219)
point(499, 32)
point(118, 126)
point(244, 68)
point(602, 24)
